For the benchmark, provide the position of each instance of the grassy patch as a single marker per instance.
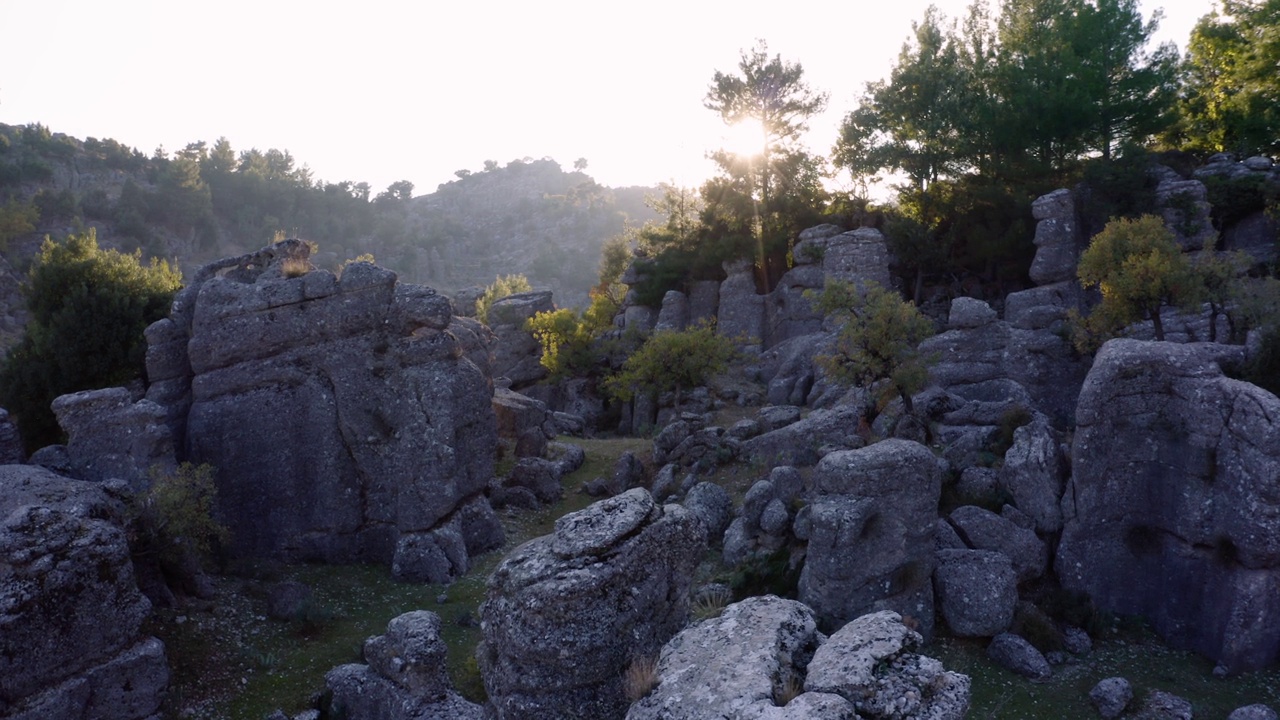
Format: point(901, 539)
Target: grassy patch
point(229, 660)
point(1139, 657)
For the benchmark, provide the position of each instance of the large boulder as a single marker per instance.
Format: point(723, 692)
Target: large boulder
point(871, 525)
point(741, 313)
point(1057, 238)
point(516, 352)
point(566, 613)
point(404, 678)
point(859, 256)
point(111, 436)
point(977, 591)
point(1172, 511)
point(763, 658)
point(71, 644)
point(341, 414)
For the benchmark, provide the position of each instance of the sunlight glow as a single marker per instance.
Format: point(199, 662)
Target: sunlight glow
point(745, 137)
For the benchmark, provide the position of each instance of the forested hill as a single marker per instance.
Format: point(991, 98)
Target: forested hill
point(211, 200)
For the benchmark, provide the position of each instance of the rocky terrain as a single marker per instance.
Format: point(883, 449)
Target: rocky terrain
point(1028, 501)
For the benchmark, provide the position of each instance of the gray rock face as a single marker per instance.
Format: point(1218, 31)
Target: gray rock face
point(704, 301)
point(111, 436)
point(735, 664)
point(870, 662)
point(788, 312)
point(1014, 653)
point(969, 312)
point(1171, 511)
point(565, 614)
point(1253, 712)
point(977, 591)
point(871, 544)
point(1255, 234)
point(858, 257)
point(11, 449)
point(711, 505)
point(1184, 205)
point(790, 370)
point(522, 422)
point(404, 679)
point(70, 612)
point(984, 530)
point(341, 414)
point(800, 443)
point(1111, 696)
point(1160, 705)
point(741, 314)
point(740, 664)
point(1057, 238)
point(811, 245)
point(1034, 476)
point(674, 314)
point(516, 353)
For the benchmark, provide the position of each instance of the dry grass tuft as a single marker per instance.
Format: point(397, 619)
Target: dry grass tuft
point(711, 601)
point(640, 678)
point(792, 686)
point(295, 267)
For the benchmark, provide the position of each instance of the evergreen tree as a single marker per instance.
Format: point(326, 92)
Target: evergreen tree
point(88, 308)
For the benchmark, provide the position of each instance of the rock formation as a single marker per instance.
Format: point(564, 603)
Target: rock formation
point(71, 644)
point(566, 613)
point(404, 679)
point(763, 658)
point(345, 416)
point(871, 544)
point(1172, 510)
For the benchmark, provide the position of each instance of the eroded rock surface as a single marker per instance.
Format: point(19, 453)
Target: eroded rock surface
point(1173, 511)
point(345, 416)
point(71, 644)
point(566, 613)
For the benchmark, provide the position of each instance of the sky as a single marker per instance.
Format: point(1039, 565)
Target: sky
point(380, 91)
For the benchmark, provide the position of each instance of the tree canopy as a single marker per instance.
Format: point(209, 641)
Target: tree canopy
point(88, 308)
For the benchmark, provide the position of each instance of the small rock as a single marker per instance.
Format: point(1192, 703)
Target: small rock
point(1253, 712)
point(1014, 653)
point(775, 520)
point(1111, 696)
point(1077, 641)
point(1161, 705)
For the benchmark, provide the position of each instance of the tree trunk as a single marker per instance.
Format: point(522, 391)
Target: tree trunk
point(1157, 324)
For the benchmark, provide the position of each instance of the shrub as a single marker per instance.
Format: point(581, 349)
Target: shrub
point(502, 286)
point(88, 308)
point(568, 338)
point(878, 338)
point(175, 516)
point(672, 361)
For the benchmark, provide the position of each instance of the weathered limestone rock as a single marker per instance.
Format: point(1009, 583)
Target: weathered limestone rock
point(341, 414)
point(1255, 234)
point(984, 530)
point(111, 436)
point(801, 443)
point(711, 505)
point(870, 662)
point(1161, 705)
point(977, 591)
point(734, 665)
point(11, 449)
point(1171, 511)
point(70, 612)
point(1014, 653)
point(516, 353)
point(1184, 206)
point(566, 613)
point(1057, 238)
point(1034, 476)
point(871, 545)
point(1111, 696)
point(741, 315)
point(969, 312)
point(524, 425)
point(859, 256)
point(404, 679)
point(1257, 711)
point(739, 665)
point(788, 312)
point(704, 301)
point(674, 314)
point(811, 245)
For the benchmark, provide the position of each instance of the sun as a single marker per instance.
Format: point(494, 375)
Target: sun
point(745, 137)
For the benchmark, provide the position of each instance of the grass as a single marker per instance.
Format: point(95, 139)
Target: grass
point(1137, 656)
point(230, 661)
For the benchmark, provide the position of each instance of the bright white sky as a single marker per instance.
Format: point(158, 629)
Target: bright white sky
point(380, 90)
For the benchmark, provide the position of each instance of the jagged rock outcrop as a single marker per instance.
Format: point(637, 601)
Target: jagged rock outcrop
point(858, 256)
point(804, 443)
point(763, 658)
point(71, 644)
point(741, 309)
point(345, 417)
point(982, 529)
point(404, 679)
point(1171, 511)
point(516, 352)
point(111, 436)
point(566, 613)
point(524, 424)
point(872, 513)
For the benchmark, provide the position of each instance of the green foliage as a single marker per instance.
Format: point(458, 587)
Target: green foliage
point(502, 286)
point(1263, 368)
point(567, 336)
point(1139, 268)
point(672, 361)
point(878, 338)
point(175, 516)
point(88, 308)
point(1231, 97)
point(1234, 198)
point(16, 218)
